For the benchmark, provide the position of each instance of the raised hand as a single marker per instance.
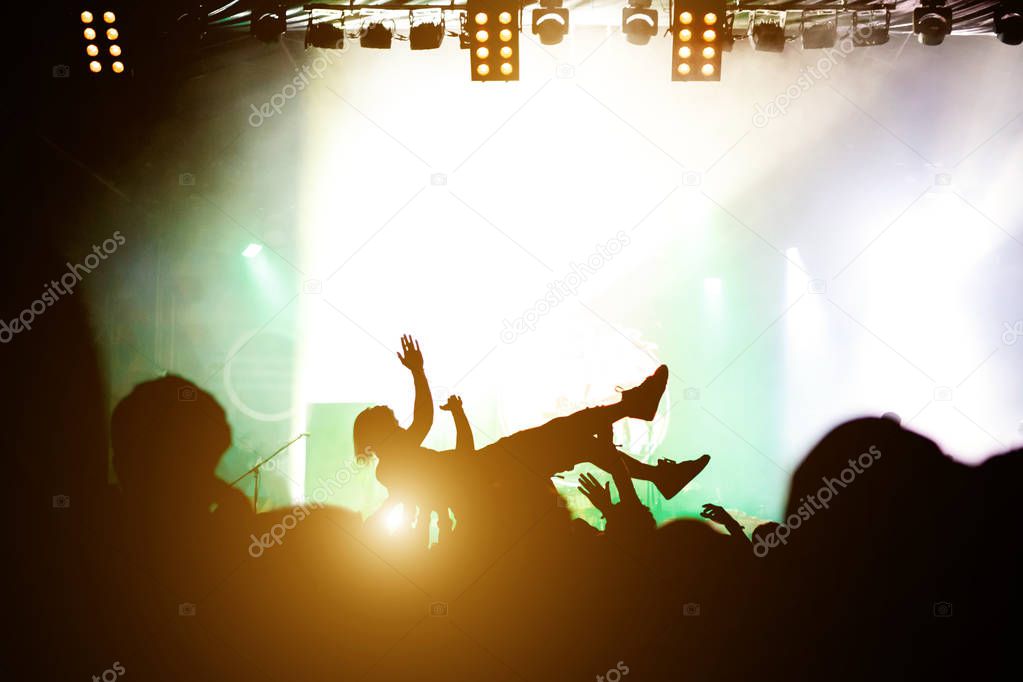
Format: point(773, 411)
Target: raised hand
point(717, 514)
point(413, 357)
point(454, 404)
point(598, 495)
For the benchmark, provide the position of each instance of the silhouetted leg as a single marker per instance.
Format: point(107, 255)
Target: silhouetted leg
point(668, 476)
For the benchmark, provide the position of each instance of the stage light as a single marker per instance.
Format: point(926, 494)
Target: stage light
point(932, 21)
point(639, 22)
point(252, 250)
point(269, 22)
point(1009, 21)
point(871, 27)
point(325, 35)
point(819, 29)
point(425, 34)
point(377, 36)
point(767, 30)
point(550, 21)
point(697, 33)
point(97, 53)
point(494, 26)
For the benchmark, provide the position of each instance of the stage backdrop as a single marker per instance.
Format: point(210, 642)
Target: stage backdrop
point(800, 244)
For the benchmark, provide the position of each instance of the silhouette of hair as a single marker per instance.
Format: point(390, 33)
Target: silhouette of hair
point(372, 426)
point(167, 430)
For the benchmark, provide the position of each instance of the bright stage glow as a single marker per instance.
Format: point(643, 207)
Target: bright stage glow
point(485, 227)
point(395, 519)
point(491, 259)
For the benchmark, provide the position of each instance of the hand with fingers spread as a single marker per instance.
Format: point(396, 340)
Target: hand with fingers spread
point(422, 411)
point(598, 495)
point(717, 514)
point(453, 405)
point(413, 357)
point(464, 441)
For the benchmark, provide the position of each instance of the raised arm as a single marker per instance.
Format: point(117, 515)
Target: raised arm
point(630, 515)
point(422, 413)
point(717, 514)
point(464, 441)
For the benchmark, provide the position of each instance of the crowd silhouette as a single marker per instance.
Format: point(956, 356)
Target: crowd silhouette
point(892, 561)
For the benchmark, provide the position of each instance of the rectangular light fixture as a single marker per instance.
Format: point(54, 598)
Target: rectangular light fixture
point(697, 35)
point(493, 28)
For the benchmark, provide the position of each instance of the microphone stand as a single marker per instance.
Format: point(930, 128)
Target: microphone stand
point(255, 471)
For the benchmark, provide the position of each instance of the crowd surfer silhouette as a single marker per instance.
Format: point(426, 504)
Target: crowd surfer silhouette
point(892, 561)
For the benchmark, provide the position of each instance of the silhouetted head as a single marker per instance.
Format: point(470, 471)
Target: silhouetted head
point(168, 436)
point(875, 504)
point(373, 428)
point(761, 532)
point(871, 466)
